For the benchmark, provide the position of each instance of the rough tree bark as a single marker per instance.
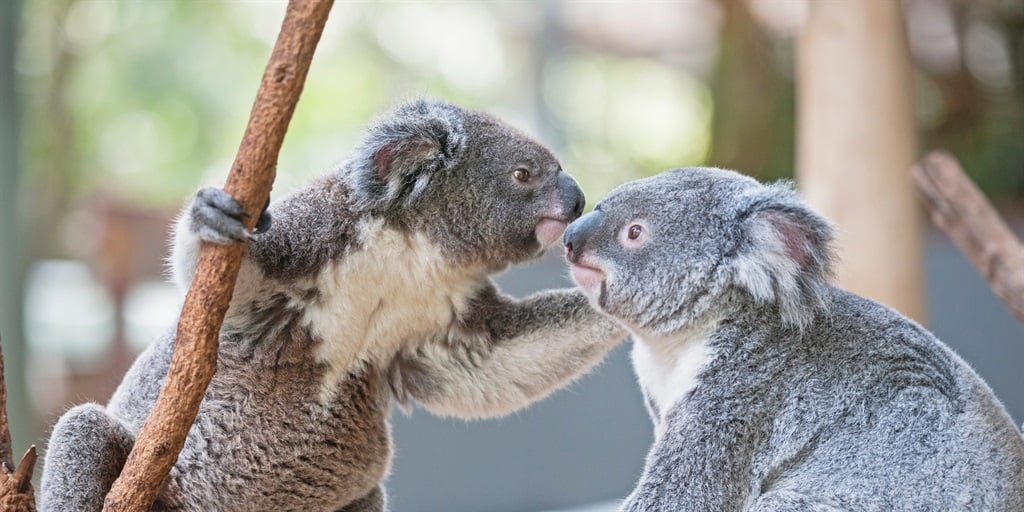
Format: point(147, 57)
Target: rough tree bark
point(856, 142)
point(195, 352)
point(16, 494)
point(961, 210)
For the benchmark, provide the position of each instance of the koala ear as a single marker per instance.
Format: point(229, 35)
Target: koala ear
point(406, 149)
point(785, 254)
point(393, 156)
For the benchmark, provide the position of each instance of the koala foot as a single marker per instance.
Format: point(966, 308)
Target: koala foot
point(217, 217)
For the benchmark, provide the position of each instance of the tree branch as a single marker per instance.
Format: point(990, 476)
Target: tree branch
point(195, 352)
point(16, 493)
point(961, 210)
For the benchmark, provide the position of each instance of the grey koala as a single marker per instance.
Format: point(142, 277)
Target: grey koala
point(371, 284)
point(770, 389)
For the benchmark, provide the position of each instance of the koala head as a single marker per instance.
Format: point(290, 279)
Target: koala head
point(662, 253)
point(484, 192)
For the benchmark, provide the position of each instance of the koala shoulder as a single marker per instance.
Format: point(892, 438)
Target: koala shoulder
point(312, 227)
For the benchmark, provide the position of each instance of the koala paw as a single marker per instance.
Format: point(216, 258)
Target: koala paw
point(217, 217)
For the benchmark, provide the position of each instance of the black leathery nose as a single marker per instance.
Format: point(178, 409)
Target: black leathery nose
point(577, 234)
point(577, 209)
point(571, 195)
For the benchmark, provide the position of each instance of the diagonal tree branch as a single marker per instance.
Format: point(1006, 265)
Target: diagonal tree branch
point(961, 210)
point(195, 352)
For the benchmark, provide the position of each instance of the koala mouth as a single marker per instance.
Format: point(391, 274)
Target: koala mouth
point(587, 276)
point(549, 230)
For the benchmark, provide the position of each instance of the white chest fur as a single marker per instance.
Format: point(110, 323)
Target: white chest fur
point(396, 290)
point(667, 368)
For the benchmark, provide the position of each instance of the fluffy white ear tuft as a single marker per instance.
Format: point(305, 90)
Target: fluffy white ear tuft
point(785, 255)
point(405, 166)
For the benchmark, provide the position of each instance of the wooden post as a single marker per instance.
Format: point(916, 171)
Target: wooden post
point(195, 351)
point(856, 142)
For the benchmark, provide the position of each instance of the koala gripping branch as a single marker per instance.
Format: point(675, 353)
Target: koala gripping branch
point(195, 352)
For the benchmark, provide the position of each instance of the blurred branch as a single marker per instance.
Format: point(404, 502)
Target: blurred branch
point(752, 122)
point(16, 493)
point(195, 350)
point(963, 212)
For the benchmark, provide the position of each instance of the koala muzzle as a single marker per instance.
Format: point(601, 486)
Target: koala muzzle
point(571, 196)
point(577, 234)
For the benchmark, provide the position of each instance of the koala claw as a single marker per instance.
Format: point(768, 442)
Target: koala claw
point(263, 223)
point(217, 217)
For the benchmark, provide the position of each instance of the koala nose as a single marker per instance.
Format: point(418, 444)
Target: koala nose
point(571, 196)
point(577, 234)
point(577, 209)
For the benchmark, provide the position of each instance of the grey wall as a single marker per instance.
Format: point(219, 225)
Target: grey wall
point(587, 443)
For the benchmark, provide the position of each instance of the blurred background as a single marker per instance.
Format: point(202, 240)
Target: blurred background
point(113, 112)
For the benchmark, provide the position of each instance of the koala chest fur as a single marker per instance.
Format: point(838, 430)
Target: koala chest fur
point(667, 368)
point(396, 292)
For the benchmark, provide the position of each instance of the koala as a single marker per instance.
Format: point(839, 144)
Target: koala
point(769, 388)
point(369, 286)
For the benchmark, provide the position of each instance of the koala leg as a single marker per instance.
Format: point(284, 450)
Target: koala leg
point(85, 455)
point(788, 501)
point(375, 501)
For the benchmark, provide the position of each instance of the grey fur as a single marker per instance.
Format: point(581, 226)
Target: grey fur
point(371, 283)
point(770, 389)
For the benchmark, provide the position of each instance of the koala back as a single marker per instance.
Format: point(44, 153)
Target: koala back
point(862, 408)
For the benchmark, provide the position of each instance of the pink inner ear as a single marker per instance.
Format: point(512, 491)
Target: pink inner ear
point(793, 236)
point(408, 149)
point(382, 159)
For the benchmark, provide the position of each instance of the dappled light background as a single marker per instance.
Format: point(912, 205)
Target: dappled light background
point(126, 107)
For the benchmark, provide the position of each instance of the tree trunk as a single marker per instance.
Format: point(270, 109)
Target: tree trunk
point(751, 121)
point(856, 144)
point(195, 351)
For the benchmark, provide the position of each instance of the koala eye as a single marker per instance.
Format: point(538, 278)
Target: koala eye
point(634, 234)
point(521, 174)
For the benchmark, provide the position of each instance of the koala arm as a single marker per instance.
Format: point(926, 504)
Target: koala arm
point(702, 460)
point(310, 228)
point(506, 353)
